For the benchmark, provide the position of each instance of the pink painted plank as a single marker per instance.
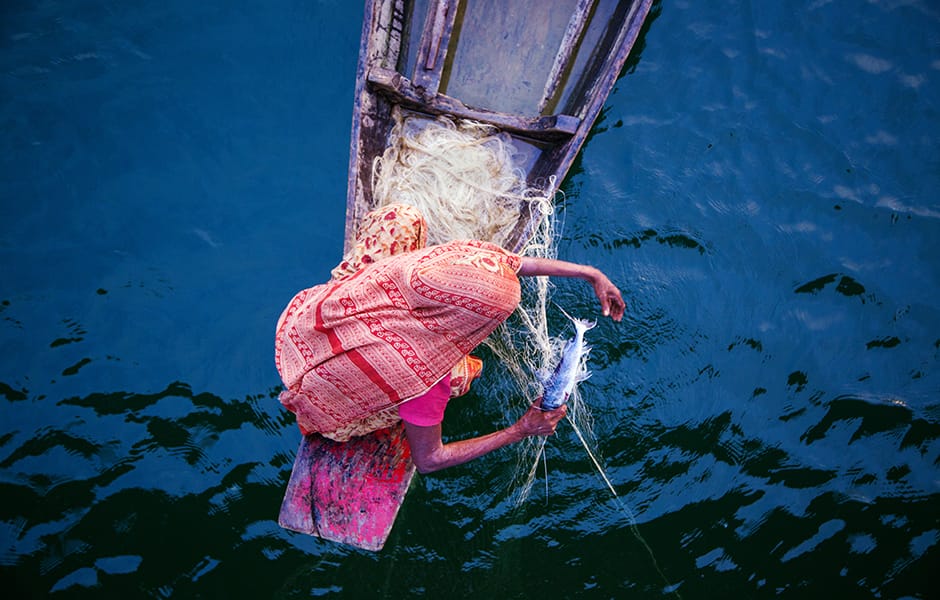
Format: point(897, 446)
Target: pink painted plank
point(348, 492)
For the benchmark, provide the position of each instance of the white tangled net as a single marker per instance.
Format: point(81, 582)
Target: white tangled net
point(465, 179)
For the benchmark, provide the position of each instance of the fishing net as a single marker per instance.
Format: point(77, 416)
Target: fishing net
point(466, 180)
point(460, 174)
point(464, 177)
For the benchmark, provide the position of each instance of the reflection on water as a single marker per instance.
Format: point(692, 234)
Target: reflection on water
point(761, 186)
point(130, 483)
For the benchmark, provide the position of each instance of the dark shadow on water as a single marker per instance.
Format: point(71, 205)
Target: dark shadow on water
point(176, 488)
point(796, 555)
point(873, 419)
point(183, 491)
point(846, 286)
point(675, 239)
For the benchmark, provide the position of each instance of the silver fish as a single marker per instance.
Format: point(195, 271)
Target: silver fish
point(572, 368)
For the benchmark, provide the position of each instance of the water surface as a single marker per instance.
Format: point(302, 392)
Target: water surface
point(762, 185)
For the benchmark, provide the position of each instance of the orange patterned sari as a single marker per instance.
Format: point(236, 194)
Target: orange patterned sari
point(394, 320)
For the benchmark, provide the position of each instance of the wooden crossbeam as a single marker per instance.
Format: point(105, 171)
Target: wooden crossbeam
point(402, 91)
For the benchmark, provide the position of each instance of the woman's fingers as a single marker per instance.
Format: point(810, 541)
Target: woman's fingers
point(551, 418)
point(542, 422)
point(611, 300)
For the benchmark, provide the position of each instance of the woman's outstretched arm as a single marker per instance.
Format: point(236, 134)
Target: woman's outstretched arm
point(606, 292)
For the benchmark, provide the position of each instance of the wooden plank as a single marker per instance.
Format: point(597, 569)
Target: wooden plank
point(435, 41)
point(569, 42)
point(348, 492)
point(401, 91)
point(382, 25)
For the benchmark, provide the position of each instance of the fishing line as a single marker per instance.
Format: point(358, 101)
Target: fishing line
point(631, 519)
point(577, 414)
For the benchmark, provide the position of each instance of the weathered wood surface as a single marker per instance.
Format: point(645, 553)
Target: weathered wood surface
point(400, 91)
point(348, 492)
point(566, 51)
point(435, 40)
point(383, 24)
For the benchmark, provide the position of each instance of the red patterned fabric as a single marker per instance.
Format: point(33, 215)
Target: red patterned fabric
point(387, 333)
point(384, 232)
point(463, 374)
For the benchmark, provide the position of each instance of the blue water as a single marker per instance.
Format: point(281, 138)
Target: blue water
point(762, 185)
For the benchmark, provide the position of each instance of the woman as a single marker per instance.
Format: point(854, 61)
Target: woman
point(388, 337)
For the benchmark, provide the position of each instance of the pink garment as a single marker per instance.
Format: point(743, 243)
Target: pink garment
point(351, 348)
point(427, 409)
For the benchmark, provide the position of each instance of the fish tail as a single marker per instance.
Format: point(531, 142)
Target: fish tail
point(581, 325)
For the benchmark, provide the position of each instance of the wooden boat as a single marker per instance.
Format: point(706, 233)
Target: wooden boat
point(538, 71)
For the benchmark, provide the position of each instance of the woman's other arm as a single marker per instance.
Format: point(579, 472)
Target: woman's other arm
point(430, 453)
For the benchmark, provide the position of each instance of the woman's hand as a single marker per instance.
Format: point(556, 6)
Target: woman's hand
point(612, 304)
point(607, 293)
point(536, 421)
